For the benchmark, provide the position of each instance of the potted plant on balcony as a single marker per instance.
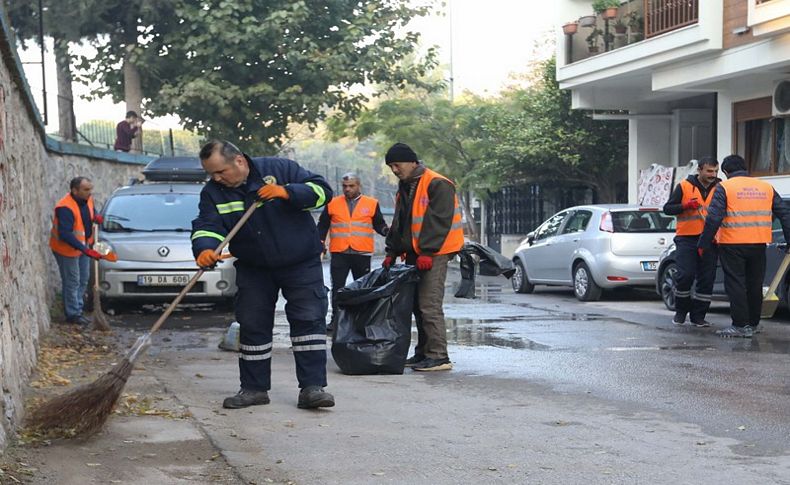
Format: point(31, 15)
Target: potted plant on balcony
point(620, 27)
point(593, 40)
point(607, 8)
point(587, 21)
point(637, 25)
point(570, 28)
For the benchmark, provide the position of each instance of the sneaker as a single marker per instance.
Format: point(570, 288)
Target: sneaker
point(701, 323)
point(244, 398)
point(736, 332)
point(413, 360)
point(312, 397)
point(679, 319)
point(430, 365)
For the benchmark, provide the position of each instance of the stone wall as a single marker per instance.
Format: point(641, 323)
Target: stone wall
point(34, 174)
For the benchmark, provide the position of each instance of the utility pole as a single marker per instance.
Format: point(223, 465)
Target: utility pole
point(43, 66)
point(452, 80)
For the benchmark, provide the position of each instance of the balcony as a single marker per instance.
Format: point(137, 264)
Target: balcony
point(632, 22)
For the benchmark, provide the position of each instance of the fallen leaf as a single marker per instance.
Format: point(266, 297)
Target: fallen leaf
point(93, 464)
point(492, 468)
point(378, 474)
point(741, 428)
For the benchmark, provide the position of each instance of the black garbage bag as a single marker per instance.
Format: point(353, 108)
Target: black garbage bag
point(491, 264)
point(373, 328)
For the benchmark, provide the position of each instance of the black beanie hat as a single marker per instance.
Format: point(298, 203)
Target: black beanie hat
point(400, 152)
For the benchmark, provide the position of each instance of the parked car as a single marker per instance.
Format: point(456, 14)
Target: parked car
point(667, 267)
point(593, 248)
point(148, 225)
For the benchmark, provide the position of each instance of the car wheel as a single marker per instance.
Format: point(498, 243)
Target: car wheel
point(584, 287)
point(668, 286)
point(520, 281)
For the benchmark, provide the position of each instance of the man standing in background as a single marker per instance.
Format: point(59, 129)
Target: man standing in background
point(127, 130)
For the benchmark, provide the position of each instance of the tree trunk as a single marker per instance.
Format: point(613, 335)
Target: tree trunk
point(133, 92)
point(67, 127)
point(471, 224)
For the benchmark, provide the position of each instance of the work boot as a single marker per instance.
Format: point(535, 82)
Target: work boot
point(244, 398)
point(312, 397)
point(431, 365)
point(736, 332)
point(413, 360)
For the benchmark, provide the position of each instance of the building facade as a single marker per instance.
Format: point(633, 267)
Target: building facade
point(693, 78)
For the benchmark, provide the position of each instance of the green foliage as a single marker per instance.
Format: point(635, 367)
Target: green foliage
point(600, 5)
point(245, 69)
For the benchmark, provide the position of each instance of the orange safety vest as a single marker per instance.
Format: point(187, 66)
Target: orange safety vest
point(749, 215)
point(351, 230)
point(455, 238)
point(62, 247)
point(692, 221)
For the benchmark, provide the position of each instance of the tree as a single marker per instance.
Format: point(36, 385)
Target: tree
point(534, 135)
point(245, 69)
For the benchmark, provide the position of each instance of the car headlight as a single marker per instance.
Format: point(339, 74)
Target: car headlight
point(103, 247)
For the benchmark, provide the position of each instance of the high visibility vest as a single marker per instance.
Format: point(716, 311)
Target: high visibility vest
point(455, 238)
point(749, 215)
point(692, 221)
point(62, 247)
point(355, 230)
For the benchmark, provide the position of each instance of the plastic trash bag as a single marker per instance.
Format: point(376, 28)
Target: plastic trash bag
point(491, 264)
point(373, 328)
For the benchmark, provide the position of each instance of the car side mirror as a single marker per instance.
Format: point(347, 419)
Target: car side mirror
point(531, 237)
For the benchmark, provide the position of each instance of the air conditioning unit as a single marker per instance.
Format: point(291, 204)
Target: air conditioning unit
point(780, 103)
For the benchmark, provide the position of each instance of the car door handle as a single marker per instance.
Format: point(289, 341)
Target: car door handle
point(576, 240)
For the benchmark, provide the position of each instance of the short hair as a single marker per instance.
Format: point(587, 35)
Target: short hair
point(733, 163)
point(707, 161)
point(76, 182)
point(351, 176)
point(227, 149)
point(129, 114)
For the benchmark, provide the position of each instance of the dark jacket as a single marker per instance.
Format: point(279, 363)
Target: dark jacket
point(674, 205)
point(280, 232)
point(66, 224)
point(436, 222)
point(718, 209)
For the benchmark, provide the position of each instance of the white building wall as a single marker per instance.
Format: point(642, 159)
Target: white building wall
point(648, 143)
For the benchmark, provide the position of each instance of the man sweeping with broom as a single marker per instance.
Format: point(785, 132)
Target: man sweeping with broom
point(277, 250)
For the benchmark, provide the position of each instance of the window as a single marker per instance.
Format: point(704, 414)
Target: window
point(642, 221)
point(764, 142)
point(550, 227)
point(577, 222)
point(151, 212)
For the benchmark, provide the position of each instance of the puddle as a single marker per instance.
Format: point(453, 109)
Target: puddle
point(459, 332)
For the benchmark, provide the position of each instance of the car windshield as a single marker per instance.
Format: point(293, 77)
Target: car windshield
point(640, 221)
point(150, 212)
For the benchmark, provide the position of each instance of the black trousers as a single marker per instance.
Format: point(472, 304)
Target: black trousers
point(339, 266)
point(691, 268)
point(744, 271)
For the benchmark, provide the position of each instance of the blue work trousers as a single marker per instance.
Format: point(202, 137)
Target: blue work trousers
point(690, 269)
point(303, 287)
point(74, 277)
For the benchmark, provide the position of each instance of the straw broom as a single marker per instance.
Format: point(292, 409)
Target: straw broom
point(84, 410)
point(99, 317)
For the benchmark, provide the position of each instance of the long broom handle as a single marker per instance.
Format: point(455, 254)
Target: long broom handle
point(196, 277)
point(95, 264)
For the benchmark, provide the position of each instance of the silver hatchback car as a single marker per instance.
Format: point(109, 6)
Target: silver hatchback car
point(594, 247)
point(148, 225)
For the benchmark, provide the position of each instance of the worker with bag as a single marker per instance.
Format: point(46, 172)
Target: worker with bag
point(71, 241)
point(427, 230)
point(689, 202)
point(277, 250)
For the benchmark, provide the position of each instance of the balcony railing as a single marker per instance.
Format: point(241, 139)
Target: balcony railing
point(666, 15)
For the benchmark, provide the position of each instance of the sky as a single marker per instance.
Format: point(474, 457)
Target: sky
point(490, 40)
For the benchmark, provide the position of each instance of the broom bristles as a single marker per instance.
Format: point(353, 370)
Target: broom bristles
point(84, 410)
point(100, 321)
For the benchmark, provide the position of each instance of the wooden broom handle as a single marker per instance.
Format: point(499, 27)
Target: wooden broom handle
point(196, 277)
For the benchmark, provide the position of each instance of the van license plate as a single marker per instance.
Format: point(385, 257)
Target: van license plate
point(162, 280)
point(649, 265)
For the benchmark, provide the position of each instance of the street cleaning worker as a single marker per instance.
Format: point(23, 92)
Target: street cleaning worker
point(689, 202)
point(71, 239)
point(350, 219)
point(741, 212)
point(427, 230)
point(277, 249)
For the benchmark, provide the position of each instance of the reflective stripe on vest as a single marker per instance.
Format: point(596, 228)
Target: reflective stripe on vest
point(692, 221)
point(351, 230)
point(62, 247)
point(749, 217)
point(455, 238)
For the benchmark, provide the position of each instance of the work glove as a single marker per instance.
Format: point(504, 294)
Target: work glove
point(111, 257)
point(207, 259)
point(388, 262)
point(424, 263)
point(91, 253)
point(98, 219)
point(693, 204)
point(273, 191)
point(700, 252)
